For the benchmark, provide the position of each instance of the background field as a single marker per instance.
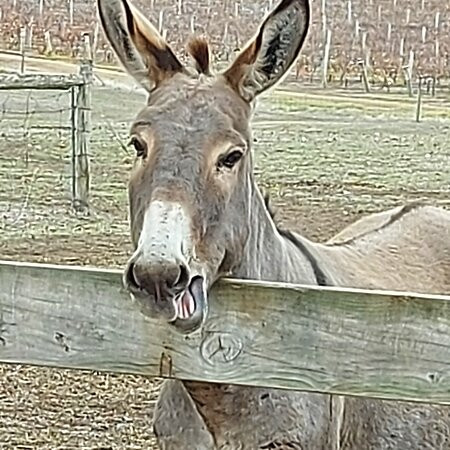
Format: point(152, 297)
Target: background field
point(325, 157)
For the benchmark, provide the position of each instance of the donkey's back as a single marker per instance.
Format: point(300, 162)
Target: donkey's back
point(405, 248)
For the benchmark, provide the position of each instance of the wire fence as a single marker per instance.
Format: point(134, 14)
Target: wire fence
point(31, 111)
point(43, 130)
point(35, 148)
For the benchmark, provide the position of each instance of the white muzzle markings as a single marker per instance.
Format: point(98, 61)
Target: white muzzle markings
point(166, 235)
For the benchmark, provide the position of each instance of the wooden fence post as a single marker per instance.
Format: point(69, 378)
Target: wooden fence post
point(408, 71)
point(419, 100)
point(73, 137)
point(81, 181)
point(22, 37)
point(365, 75)
point(95, 41)
point(324, 19)
point(30, 37)
point(161, 20)
point(326, 59)
point(71, 12)
point(48, 43)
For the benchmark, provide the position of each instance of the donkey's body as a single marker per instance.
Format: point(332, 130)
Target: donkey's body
point(393, 250)
point(197, 215)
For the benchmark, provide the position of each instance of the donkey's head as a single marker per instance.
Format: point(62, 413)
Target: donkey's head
point(191, 185)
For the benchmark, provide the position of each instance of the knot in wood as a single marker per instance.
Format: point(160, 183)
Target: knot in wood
point(61, 339)
point(220, 348)
point(165, 366)
point(434, 377)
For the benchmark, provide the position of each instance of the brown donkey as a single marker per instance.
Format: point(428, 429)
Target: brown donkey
point(197, 215)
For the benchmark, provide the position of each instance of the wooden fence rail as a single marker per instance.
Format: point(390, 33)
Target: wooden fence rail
point(365, 343)
point(10, 81)
point(79, 86)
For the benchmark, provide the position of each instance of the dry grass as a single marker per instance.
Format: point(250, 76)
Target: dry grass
point(57, 409)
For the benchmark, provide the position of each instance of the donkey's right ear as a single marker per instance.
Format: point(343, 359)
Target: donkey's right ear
point(267, 58)
point(136, 42)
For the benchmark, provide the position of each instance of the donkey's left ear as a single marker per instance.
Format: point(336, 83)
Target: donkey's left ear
point(269, 56)
point(138, 45)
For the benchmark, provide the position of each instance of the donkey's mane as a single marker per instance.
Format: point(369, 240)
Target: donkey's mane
point(198, 48)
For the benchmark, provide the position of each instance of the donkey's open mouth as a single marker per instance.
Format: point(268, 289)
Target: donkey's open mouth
point(191, 306)
point(184, 306)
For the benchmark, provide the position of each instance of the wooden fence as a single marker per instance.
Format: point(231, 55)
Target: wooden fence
point(343, 341)
point(79, 87)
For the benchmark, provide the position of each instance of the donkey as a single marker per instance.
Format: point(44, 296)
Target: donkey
point(196, 215)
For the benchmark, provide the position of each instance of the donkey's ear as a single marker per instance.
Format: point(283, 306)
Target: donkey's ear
point(268, 57)
point(137, 43)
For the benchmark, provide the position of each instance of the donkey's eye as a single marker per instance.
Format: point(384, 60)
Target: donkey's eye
point(139, 146)
point(230, 159)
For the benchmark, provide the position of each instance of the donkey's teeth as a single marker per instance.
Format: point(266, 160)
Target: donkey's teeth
point(185, 306)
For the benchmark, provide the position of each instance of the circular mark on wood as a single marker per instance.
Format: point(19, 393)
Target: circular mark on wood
point(220, 348)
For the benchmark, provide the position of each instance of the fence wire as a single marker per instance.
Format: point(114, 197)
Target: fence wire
point(35, 153)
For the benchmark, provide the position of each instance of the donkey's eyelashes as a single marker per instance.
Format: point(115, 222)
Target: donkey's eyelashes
point(139, 146)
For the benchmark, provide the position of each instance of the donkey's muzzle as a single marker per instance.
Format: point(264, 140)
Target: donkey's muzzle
point(163, 275)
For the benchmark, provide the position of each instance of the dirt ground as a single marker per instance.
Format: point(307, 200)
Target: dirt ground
point(326, 157)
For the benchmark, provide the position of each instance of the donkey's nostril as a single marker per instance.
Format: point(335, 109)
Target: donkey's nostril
point(130, 277)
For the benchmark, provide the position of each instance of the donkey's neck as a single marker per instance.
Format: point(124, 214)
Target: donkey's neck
point(269, 255)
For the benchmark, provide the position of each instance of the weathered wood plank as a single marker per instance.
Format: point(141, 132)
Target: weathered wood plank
point(39, 81)
point(387, 345)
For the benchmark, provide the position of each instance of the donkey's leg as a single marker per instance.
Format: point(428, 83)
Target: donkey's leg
point(177, 423)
